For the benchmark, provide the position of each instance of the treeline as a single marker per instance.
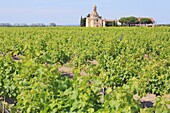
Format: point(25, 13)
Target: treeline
point(27, 25)
point(131, 21)
point(166, 25)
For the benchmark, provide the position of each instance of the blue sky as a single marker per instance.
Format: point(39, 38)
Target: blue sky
point(68, 12)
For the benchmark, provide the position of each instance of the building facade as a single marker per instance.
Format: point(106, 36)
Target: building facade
point(94, 20)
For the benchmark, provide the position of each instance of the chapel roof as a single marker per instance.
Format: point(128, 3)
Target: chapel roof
point(94, 12)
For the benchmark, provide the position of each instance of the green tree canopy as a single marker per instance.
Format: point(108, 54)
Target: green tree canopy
point(82, 22)
point(145, 21)
point(129, 20)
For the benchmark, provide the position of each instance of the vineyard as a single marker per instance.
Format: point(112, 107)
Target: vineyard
point(74, 69)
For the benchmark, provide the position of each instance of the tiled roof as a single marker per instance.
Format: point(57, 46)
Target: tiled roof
point(110, 20)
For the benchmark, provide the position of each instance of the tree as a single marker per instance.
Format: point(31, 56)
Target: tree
point(5, 24)
point(38, 25)
point(133, 20)
point(145, 21)
point(20, 25)
point(52, 24)
point(129, 20)
point(82, 22)
point(122, 20)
